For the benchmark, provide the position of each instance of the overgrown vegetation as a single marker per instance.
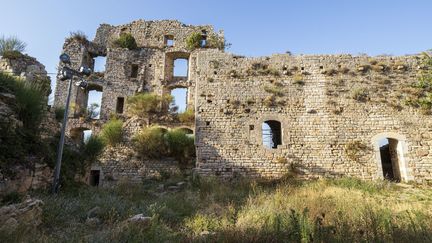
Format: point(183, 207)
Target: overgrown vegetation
point(197, 40)
point(208, 210)
point(150, 142)
point(78, 36)
point(20, 141)
point(181, 146)
point(360, 94)
point(187, 117)
point(93, 148)
point(126, 40)
point(59, 113)
point(112, 132)
point(156, 142)
point(147, 105)
point(421, 97)
point(11, 47)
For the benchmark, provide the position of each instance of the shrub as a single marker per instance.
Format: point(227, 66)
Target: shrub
point(359, 94)
point(213, 41)
point(353, 149)
point(126, 40)
point(12, 54)
point(112, 132)
point(79, 36)
point(93, 147)
point(269, 101)
point(59, 113)
point(11, 198)
point(187, 117)
point(298, 79)
point(145, 105)
point(150, 142)
point(274, 90)
point(181, 146)
point(11, 45)
point(193, 41)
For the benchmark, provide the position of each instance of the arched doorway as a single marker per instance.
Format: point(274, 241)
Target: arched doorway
point(271, 134)
point(390, 151)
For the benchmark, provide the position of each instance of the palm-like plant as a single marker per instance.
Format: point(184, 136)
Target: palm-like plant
point(11, 44)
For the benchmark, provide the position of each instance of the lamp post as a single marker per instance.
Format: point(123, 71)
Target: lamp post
point(67, 73)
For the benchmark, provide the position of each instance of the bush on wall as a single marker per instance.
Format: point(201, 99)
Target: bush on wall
point(112, 132)
point(126, 40)
point(150, 142)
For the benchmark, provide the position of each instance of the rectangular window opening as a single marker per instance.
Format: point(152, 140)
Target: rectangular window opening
point(120, 105)
point(134, 71)
point(169, 40)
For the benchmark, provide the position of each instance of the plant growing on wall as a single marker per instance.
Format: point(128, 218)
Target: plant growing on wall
point(181, 146)
point(79, 36)
point(11, 47)
point(146, 105)
point(187, 117)
point(353, 149)
point(150, 142)
point(112, 132)
point(126, 40)
point(193, 41)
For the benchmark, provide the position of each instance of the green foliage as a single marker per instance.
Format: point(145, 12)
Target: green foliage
point(193, 41)
point(181, 145)
point(59, 113)
point(187, 117)
point(11, 46)
point(112, 132)
point(213, 41)
point(11, 198)
point(126, 40)
point(211, 210)
point(21, 141)
point(150, 142)
point(145, 105)
point(93, 147)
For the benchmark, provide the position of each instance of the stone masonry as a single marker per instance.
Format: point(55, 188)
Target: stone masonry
point(331, 111)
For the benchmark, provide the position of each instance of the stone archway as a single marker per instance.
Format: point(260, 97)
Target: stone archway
point(390, 154)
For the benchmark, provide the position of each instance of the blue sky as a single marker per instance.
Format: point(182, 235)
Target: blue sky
point(254, 28)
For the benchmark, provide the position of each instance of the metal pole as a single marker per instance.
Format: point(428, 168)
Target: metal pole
point(56, 179)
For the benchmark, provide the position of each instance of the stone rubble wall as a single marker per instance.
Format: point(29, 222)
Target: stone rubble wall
point(313, 98)
point(319, 118)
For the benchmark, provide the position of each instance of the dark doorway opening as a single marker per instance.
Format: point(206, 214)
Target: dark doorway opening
point(272, 134)
point(94, 177)
point(389, 159)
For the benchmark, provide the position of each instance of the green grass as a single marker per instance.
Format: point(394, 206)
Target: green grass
point(210, 210)
point(112, 132)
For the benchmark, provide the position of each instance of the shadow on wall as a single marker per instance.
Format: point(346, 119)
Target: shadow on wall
point(210, 162)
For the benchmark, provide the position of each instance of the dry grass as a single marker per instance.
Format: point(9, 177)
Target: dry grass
point(208, 210)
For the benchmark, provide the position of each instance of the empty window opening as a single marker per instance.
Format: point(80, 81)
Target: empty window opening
point(86, 135)
point(180, 67)
point(390, 157)
point(251, 127)
point(134, 71)
point(203, 41)
point(94, 177)
point(180, 99)
point(94, 103)
point(271, 134)
point(80, 135)
point(120, 105)
point(99, 64)
point(169, 40)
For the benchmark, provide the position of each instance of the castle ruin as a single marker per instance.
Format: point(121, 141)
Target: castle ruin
point(320, 115)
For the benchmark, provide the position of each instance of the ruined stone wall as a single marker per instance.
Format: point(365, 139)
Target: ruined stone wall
point(333, 109)
point(319, 116)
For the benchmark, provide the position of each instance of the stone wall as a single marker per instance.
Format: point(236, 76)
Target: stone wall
point(333, 109)
point(313, 100)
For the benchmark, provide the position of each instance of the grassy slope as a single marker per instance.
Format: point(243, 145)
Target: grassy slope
point(344, 210)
